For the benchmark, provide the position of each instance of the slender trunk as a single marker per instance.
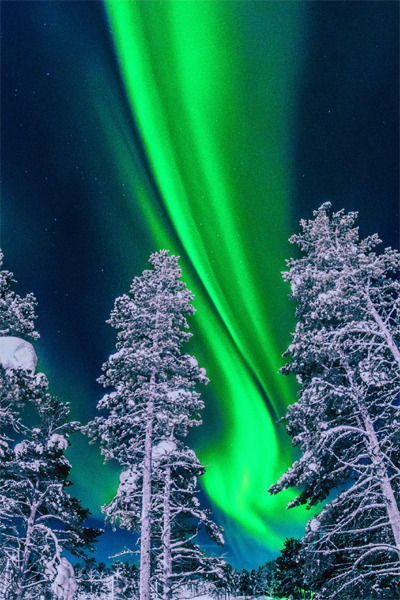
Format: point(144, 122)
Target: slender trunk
point(6, 578)
point(167, 558)
point(145, 533)
point(385, 484)
point(21, 578)
point(385, 331)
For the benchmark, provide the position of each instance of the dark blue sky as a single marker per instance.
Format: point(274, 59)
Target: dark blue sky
point(66, 230)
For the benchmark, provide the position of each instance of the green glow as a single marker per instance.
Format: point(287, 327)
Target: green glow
point(222, 167)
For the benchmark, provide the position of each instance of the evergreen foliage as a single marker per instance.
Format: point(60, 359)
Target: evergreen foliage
point(38, 518)
point(288, 579)
point(178, 519)
point(96, 581)
point(17, 318)
point(149, 412)
point(345, 355)
point(17, 315)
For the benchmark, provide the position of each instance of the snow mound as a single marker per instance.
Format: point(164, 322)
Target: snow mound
point(203, 375)
point(192, 361)
point(314, 524)
point(162, 449)
point(20, 449)
point(16, 353)
point(58, 441)
point(175, 394)
point(64, 586)
point(127, 481)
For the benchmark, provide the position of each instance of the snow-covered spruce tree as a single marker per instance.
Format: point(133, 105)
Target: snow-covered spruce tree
point(288, 577)
point(93, 580)
point(346, 422)
point(17, 317)
point(178, 518)
point(154, 402)
point(265, 579)
point(37, 517)
point(41, 518)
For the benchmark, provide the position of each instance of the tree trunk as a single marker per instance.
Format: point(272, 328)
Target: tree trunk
point(27, 551)
point(384, 481)
point(386, 486)
point(167, 558)
point(6, 578)
point(385, 331)
point(145, 533)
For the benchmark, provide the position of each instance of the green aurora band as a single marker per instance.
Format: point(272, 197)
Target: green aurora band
point(208, 128)
point(219, 142)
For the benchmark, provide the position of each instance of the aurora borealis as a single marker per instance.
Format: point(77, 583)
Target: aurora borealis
point(208, 128)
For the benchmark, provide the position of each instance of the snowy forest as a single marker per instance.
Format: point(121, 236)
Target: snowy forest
point(345, 424)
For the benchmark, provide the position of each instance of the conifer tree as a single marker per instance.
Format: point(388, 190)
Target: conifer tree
point(178, 519)
point(289, 572)
point(151, 409)
point(265, 579)
point(17, 315)
point(17, 320)
point(346, 357)
point(38, 518)
point(42, 519)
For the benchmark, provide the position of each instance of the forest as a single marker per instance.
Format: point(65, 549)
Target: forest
point(345, 424)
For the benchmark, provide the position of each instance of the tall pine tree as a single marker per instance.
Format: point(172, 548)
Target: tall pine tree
point(38, 518)
point(346, 357)
point(150, 411)
point(17, 320)
point(178, 518)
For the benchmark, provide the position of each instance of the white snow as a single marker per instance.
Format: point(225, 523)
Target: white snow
point(206, 597)
point(174, 394)
point(57, 440)
point(16, 353)
point(127, 481)
point(64, 586)
point(35, 465)
point(314, 524)
point(193, 361)
point(163, 448)
point(19, 449)
point(295, 284)
point(3, 448)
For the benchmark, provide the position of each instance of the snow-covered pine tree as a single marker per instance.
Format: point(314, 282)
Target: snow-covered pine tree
point(153, 401)
point(345, 353)
point(17, 317)
point(288, 578)
point(38, 519)
point(43, 519)
point(265, 579)
point(96, 581)
point(93, 580)
point(178, 519)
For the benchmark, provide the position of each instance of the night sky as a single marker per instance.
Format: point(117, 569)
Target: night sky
point(208, 128)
